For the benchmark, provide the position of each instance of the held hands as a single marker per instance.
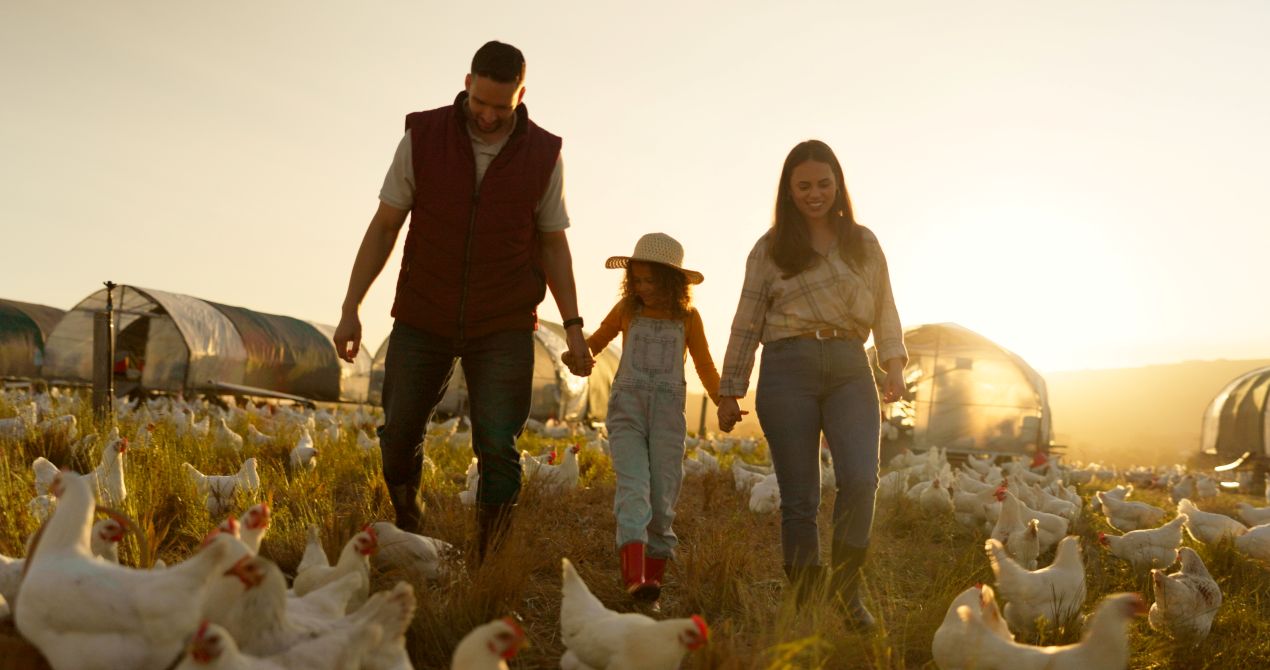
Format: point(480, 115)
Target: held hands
point(348, 336)
point(730, 414)
point(578, 357)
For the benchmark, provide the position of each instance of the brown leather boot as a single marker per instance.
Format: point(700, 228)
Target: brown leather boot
point(408, 506)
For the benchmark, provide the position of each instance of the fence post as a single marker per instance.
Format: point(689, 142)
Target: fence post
point(104, 360)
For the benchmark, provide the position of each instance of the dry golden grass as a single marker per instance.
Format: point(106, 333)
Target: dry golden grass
point(728, 569)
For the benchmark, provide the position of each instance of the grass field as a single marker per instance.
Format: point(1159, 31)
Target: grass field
point(728, 569)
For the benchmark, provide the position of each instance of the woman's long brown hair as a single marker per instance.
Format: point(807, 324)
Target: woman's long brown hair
point(790, 242)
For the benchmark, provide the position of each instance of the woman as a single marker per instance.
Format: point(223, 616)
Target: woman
point(816, 284)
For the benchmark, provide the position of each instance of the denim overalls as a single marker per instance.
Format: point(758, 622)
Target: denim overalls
point(647, 429)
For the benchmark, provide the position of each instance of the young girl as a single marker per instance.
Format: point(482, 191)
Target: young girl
point(646, 423)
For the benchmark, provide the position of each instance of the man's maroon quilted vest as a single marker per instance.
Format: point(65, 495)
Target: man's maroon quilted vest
point(471, 265)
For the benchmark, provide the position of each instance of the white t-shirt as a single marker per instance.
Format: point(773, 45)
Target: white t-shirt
point(398, 191)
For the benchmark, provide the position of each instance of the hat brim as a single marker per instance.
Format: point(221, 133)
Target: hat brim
point(619, 262)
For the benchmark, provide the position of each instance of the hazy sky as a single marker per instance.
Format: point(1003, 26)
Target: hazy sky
point(1081, 181)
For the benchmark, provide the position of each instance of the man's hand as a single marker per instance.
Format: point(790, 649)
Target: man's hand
point(730, 413)
point(348, 336)
point(578, 357)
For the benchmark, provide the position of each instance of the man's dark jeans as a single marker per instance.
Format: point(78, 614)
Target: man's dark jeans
point(499, 370)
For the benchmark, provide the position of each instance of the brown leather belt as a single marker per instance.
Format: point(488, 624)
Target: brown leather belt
point(829, 334)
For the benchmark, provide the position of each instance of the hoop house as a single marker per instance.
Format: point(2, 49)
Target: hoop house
point(171, 342)
point(557, 392)
point(24, 328)
point(1237, 420)
point(967, 393)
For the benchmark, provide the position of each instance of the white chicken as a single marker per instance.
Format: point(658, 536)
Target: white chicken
point(213, 648)
point(1021, 539)
point(1104, 646)
point(597, 638)
point(1147, 549)
point(557, 478)
point(936, 500)
point(84, 613)
point(103, 543)
point(355, 558)
point(250, 528)
point(226, 439)
point(957, 647)
point(256, 438)
point(468, 496)
point(1186, 602)
point(107, 479)
point(1055, 593)
point(262, 624)
point(745, 477)
point(765, 496)
point(489, 646)
point(1255, 542)
point(1129, 515)
point(410, 554)
point(304, 455)
point(45, 473)
point(1253, 516)
point(367, 443)
point(1207, 527)
point(218, 490)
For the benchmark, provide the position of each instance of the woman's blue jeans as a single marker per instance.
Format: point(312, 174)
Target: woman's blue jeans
point(807, 386)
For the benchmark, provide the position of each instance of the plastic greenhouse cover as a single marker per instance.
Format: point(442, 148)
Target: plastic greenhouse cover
point(23, 328)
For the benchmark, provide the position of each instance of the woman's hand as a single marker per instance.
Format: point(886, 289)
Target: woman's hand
point(730, 413)
point(893, 386)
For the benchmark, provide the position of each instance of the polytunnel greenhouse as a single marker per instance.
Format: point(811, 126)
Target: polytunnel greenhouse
point(24, 329)
point(557, 393)
point(171, 342)
point(967, 393)
point(1237, 420)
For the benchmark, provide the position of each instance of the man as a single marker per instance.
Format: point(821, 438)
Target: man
point(484, 189)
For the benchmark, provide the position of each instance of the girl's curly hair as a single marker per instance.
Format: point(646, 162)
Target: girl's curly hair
point(671, 284)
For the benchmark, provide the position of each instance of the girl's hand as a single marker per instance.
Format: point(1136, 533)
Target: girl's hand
point(730, 413)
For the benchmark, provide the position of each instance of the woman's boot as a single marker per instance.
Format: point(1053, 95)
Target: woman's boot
point(847, 563)
point(805, 581)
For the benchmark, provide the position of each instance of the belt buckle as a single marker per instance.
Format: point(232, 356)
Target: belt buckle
point(832, 331)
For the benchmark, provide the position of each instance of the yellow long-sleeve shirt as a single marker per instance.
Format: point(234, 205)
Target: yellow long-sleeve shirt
point(619, 321)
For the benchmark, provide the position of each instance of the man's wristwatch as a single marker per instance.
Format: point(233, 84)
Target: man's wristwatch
point(575, 321)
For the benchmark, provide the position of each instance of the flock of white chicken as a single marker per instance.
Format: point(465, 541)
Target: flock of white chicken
point(227, 606)
point(1027, 511)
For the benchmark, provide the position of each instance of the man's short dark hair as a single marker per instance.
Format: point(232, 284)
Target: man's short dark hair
point(503, 63)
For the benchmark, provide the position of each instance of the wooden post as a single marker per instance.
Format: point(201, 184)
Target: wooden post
point(705, 404)
point(104, 360)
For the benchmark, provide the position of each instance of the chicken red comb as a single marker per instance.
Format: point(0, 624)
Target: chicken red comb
point(701, 627)
point(202, 629)
point(979, 585)
point(551, 458)
point(575, 448)
point(1102, 539)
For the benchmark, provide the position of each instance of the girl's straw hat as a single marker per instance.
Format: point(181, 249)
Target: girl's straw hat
point(657, 248)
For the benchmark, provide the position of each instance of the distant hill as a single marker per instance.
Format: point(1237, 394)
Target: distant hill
point(1148, 415)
